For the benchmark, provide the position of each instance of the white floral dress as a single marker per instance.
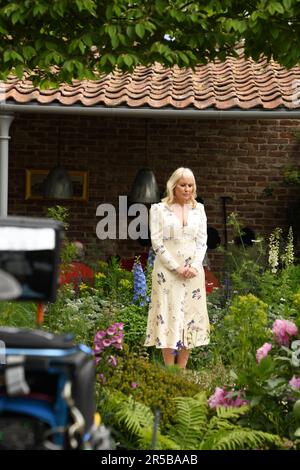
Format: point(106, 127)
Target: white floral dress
point(178, 312)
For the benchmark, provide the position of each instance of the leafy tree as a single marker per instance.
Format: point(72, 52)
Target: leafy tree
point(60, 40)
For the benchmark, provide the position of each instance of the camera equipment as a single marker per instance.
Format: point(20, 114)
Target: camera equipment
point(46, 381)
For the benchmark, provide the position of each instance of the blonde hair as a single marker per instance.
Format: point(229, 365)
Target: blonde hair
point(172, 182)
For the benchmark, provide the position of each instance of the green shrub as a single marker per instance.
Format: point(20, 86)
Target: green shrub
point(194, 426)
point(113, 282)
point(244, 330)
point(82, 316)
point(155, 384)
point(135, 323)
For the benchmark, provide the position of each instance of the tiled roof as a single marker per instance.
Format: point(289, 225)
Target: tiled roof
point(235, 83)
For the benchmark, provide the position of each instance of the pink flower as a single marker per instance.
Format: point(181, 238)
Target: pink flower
point(106, 343)
point(98, 348)
point(118, 339)
point(218, 398)
point(134, 385)
point(112, 360)
point(282, 330)
point(119, 325)
point(99, 335)
point(263, 351)
point(223, 398)
point(295, 382)
point(111, 330)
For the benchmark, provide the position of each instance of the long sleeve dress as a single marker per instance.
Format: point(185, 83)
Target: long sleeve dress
point(177, 312)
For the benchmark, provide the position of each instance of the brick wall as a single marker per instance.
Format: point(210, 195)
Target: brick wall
point(234, 158)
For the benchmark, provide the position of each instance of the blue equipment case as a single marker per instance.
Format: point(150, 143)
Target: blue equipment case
point(47, 393)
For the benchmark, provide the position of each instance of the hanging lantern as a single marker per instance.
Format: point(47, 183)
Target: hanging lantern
point(144, 188)
point(58, 184)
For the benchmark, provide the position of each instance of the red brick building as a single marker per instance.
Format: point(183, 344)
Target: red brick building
point(234, 124)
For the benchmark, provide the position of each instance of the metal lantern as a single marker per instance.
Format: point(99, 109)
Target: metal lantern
point(144, 188)
point(58, 184)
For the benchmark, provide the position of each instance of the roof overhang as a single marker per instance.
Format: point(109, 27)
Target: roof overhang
point(147, 112)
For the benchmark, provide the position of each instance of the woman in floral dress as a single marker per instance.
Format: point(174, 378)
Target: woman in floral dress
point(178, 319)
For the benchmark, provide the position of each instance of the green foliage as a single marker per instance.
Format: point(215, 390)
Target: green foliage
point(291, 175)
point(243, 331)
point(114, 282)
point(280, 291)
point(132, 421)
point(85, 38)
point(68, 250)
point(266, 386)
point(209, 376)
point(190, 421)
point(156, 385)
point(224, 433)
point(135, 323)
point(59, 213)
point(243, 264)
point(18, 314)
point(81, 316)
point(193, 426)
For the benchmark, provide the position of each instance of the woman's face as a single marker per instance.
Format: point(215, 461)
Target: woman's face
point(184, 189)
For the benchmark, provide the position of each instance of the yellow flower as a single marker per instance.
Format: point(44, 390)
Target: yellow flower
point(296, 299)
point(100, 276)
point(83, 286)
point(125, 284)
point(102, 264)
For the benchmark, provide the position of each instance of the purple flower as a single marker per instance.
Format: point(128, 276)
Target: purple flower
point(112, 360)
point(139, 284)
point(151, 258)
point(134, 385)
point(102, 378)
point(295, 383)
point(112, 337)
point(263, 351)
point(282, 330)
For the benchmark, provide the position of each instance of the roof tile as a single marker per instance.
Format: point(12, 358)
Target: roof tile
point(235, 83)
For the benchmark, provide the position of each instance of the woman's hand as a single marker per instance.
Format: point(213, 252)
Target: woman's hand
point(182, 270)
point(186, 272)
point(191, 272)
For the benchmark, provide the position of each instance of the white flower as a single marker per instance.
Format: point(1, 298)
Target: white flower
point(274, 249)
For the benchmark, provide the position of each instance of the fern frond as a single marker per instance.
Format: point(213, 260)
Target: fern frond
point(238, 438)
point(230, 412)
point(224, 434)
point(201, 397)
point(162, 443)
point(191, 421)
point(112, 402)
point(135, 416)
